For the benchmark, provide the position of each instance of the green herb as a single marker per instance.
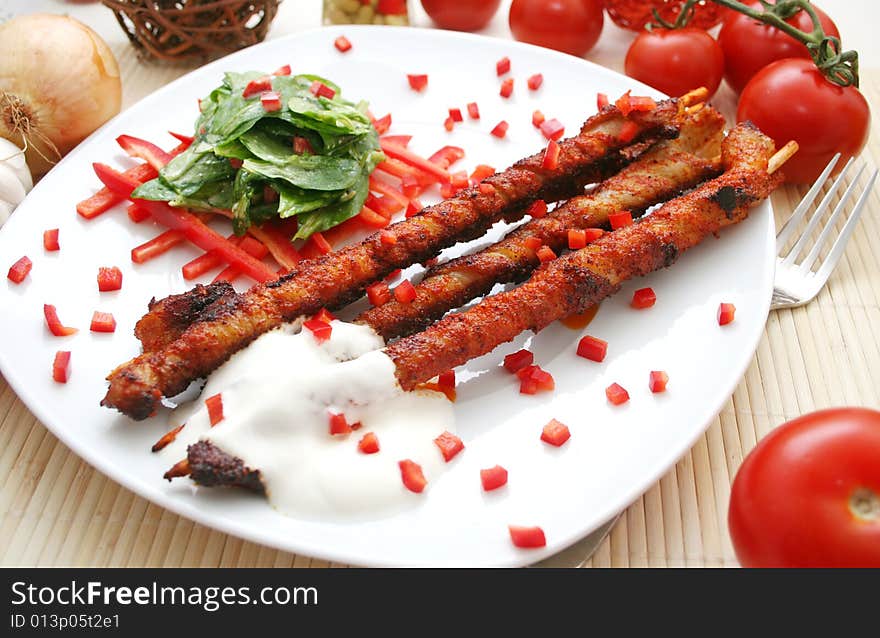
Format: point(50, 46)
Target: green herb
point(241, 150)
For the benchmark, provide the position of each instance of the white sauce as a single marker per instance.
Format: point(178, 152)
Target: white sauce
point(276, 397)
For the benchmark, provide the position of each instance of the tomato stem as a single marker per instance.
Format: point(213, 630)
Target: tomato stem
point(840, 67)
point(865, 504)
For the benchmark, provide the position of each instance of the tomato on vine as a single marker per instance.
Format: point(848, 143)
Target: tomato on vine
point(749, 45)
point(676, 61)
point(636, 14)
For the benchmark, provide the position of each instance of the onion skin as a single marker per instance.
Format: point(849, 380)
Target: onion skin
point(59, 75)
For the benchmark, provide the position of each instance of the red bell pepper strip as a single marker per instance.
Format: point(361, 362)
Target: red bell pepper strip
point(203, 263)
point(195, 230)
point(382, 124)
point(186, 139)
point(315, 246)
point(137, 214)
point(402, 140)
point(404, 155)
point(215, 408)
point(278, 244)
point(381, 186)
point(372, 218)
point(253, 248)
point(447, 156)
point(142, 149)
point(158, 245)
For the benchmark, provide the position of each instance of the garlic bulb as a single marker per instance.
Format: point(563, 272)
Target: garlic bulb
point(15, 178)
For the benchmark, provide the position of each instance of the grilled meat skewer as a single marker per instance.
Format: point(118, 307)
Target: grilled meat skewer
point(566, 285)
point(230, 323)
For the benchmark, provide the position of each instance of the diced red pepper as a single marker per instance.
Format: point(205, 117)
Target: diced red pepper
point(533, 379)
point(413, 208)
point(456, 115)
point(19, 270)
point(54, 323)
point(338, 424)
point(592, 348)
point(324, 315)
point(447, 156)
point(500, 130)
point(235, 163)
point(446, 381)
point(473, 111)
point(552, 129)
point(383, 124)
point(50, 240)
point(502, 66)
point(142, 149)
point(518, 360)
point(282, 70)
point(137, 214)
point(551, 156)
point(342, 44)
point(447, 190)
point(726, 313)
point(493, 478)
point(628, 103)
point(109, 278)
point(102, 322)
point(616, 394)
point(405, 292)
point(394, 274)
point(255, 87)
point(545, 254)
point(601, 101)
point(593, 234)
point(628, 132)
point(61, 366)
point(378, 293)
point(319, 244)
point(577, 238)
point(555, 433)
point(369, 444)
point(643, 298)
point(657, 381)
point(301, 146)
point(460, 180)
point(506, 88)
point(538, 209)
point(449, 124)
point(535, 82)
point(271, 101)
point(527, 537)
point(532, 243)
point(412, 476)
point(620, 219)
point(159, 245)
point(417, 82)
point(538, 118)
point(319, 89)
point(449, 445)
point(215, 408)
point(320, 329)
point(388, 238)
point(481, 172)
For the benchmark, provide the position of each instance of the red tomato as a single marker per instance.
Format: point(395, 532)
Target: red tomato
point(792, 100)
point(461, 15)
point(750, 45)
point(676, 61)
point(809, 494)
point(635, 14)
point(570, 26)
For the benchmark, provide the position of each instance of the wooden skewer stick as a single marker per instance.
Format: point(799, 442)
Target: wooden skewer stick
point(781, 157)
point(694, 97)
point(167, 438)
point(181, 468)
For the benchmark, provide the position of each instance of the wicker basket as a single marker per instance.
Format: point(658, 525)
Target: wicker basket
point(190, 29)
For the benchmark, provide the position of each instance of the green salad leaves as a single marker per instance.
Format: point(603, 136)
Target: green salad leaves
point(245, 158)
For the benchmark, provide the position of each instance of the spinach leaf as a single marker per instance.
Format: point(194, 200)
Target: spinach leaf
point(330, 216)
point(316, 172)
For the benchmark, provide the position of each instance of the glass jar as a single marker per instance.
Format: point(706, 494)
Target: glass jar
point(392, 12)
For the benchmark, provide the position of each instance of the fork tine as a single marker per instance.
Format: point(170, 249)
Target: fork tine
point(816, 217)
point(791, 223)
point(810, 259)
point(834, 256)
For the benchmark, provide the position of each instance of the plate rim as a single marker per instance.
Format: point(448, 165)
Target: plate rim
point(228, 526)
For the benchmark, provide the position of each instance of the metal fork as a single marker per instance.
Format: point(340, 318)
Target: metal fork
point(795, 284)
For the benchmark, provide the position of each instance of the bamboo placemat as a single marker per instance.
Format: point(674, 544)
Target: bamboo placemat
point(57, 510)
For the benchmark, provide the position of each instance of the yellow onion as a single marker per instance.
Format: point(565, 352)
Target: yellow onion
point(59, 81)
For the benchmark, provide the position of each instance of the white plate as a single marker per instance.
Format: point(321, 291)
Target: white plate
point(615, 453)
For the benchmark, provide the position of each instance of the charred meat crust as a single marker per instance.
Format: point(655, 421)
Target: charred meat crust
point(210, 466)
point(340, 277)
point(172, 315)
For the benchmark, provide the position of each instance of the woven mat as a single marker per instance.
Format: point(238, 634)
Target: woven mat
point(57, 510)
